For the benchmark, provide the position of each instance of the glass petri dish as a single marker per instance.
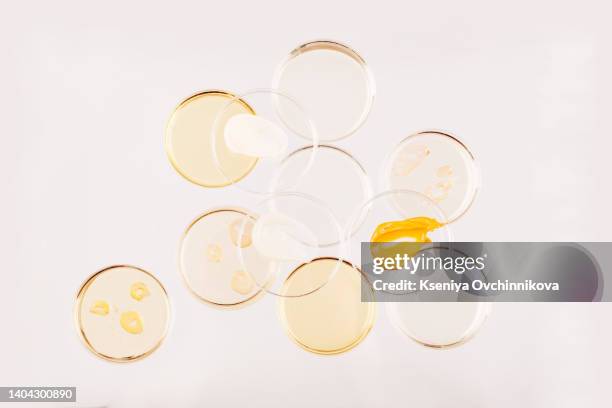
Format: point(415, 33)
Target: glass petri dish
point(438, 324)
point(290, 230)
point(334, 84)
point(188, 137)
point(333, 170)
point(437, 165)
point(122, 313)
point(334, 319)
point(264, 137)
point(209, 263)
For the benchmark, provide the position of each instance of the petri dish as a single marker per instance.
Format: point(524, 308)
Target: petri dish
point(333, 170)
point(437, 165)
point(438, 324)
point(334, 319)
point(209, 263)
point(264, 137)
point(291, 229)
point(334, 84)
point(122, 313)
point(188, 140)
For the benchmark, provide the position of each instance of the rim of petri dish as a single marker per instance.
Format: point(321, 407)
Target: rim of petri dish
point(224, 306)
point(275, 94)
point(167, 139)
point(478, 321)
point(367, 190)
point(367, 326)
point(330, 45)
point(477, 175)
point(77, 315)
point(341, 251)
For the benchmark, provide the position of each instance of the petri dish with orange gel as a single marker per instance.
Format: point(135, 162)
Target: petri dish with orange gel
point(334, 319)
point(265, 138)
point(437, 165)
point(189, 136)
point(122, 313)
point(209, 262)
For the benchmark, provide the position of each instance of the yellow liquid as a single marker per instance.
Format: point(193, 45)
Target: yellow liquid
point(333, 319)
point(189, 136)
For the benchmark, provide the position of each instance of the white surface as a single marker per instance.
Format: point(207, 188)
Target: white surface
point(87, 89)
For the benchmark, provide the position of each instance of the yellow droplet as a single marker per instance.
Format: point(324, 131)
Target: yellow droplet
point(241, 231)
point(131, 322)
point(139, 291)
point(439, 191)
point(100, 307)
point(214, 253)
point(409, 159)
point(242, 282)
point(444, 171)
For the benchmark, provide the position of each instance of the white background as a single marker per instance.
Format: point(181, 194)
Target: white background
point(86, 88)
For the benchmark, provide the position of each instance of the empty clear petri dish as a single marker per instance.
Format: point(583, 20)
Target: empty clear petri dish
point(437, 165)
point(438, 324)
point(335, 318)
point(290, 230)
point(189, 134)
point(122, 313)
point(334, 84)
point(335, 177)
point(209, 262)
point(263, 137)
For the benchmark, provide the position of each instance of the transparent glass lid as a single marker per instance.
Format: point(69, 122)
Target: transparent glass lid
point(189, 136)
point(122, 313)
point(290, 230)
point(438, 324)
point(437, 165)
point(209, 262)
point(335, 177)
point(262, 136)
point(333, 319)
point(334, 84)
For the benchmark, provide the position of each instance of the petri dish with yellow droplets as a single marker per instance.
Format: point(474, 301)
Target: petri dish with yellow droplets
point(334, 319)
point(189, 136)
point(334, 84)
point(122, 313)
point(291, 229)
point(438, 165)
point(334, 170)
point(209, 262)
point(264, 137)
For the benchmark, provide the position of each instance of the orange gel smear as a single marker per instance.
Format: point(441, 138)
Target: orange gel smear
point(411, 229)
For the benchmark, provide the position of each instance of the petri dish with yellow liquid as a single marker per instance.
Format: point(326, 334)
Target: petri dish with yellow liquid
point(265, 138)
point(438, 165)
point(122, 313)
point(334, 319)
point(290, 229)
point(189, 137)
point(334, 84)
point(209, 262)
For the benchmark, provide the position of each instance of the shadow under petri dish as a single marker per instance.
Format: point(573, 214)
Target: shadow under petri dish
point(188, 140)
point(333, 319)
point(209, 262)
point(122, 313)
point(332, 82)
point(437, 165)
